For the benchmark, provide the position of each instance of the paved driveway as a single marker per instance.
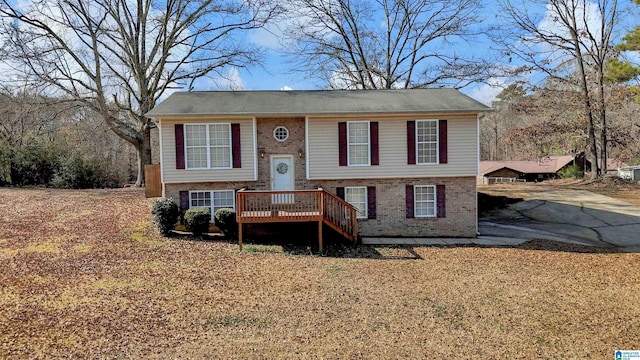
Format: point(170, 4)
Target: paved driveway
point(575, 216)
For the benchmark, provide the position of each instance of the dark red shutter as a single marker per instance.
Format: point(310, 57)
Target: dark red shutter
point(441, 201)
point(342, 143)
point(184, 201)
point(179, 133)
point(409, 198)
point(235, 146)
point(340, 192)
point(373, 133)
point(443, 148)
point(411, 142)
point(371, 202)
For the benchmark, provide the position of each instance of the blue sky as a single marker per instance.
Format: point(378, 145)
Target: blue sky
point(276, 73)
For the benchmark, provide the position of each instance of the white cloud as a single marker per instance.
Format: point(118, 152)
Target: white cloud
point(486, 93)
point(286, 88)
point(231, 81)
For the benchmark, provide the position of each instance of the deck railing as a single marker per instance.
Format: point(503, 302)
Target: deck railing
point(297, 205)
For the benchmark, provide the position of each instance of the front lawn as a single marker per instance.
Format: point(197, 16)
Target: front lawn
point(82, 274)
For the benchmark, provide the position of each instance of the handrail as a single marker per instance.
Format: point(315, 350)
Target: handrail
point(259, 206)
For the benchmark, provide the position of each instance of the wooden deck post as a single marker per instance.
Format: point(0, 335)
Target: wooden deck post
point(240, 235)
point(319, 236)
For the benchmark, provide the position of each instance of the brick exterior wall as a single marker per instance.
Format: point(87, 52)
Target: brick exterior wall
point(391, 220)
point(461, 196)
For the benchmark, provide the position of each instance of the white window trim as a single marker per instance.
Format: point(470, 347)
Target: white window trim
point(276, 130)
point(428, 142)
point(366, 201)
point(211, 192)
point(435, 201)
point(208, 146)
point(368, 143)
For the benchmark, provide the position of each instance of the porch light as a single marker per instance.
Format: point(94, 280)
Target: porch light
point(300, 153)
point(261, 152)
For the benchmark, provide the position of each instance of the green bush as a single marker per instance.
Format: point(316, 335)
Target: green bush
point(76, 172)
point(571, 171)
point(225, 220)
point(165, 214)
point(197, 220)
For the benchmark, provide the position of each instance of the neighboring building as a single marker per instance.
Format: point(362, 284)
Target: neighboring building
point(629, 173)
point(406, 160)
point(492, 172)
point(613, 165)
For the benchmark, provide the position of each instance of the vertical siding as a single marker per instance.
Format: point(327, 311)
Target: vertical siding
point(172, 175)
point(323, 150)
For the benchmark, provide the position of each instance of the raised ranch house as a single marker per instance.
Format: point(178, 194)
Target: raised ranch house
point(397, 163)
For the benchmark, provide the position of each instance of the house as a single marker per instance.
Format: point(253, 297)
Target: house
point(629, 173)
point(399, 163)
point(492, 172)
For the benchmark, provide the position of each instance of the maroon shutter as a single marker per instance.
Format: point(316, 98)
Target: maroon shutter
point(373, 133)
point(442, 145)
point(342, 143)
point(235, 146)
point(409, 199)
point(371, 202)
point(184, 201)
point(179, 133)
point(441, 201)
point(411, 142)
point(340, 192)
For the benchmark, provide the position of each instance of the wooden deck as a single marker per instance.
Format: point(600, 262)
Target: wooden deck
point(296, 206)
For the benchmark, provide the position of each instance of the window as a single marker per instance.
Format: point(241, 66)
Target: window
point(212, 200)
point(208, 146)
point(424, 200)
point(358, 143)
point(281, 133)
point(427, 141)
point(357, 196)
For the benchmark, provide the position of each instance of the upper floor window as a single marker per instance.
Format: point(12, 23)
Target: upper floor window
point(427, 141)
point(208, 146)
point(358, 143)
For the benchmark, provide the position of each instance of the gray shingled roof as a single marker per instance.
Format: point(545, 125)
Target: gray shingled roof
point(315, 102)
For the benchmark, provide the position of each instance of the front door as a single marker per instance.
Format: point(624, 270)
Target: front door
point(282, 177)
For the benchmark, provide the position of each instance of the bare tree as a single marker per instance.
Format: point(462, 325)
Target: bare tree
point(570, 42)
point(385, 44)
point(121, 56)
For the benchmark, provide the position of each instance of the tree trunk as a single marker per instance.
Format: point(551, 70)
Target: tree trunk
point(143, 152)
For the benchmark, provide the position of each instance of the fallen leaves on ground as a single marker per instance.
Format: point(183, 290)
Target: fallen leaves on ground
point(83, 274)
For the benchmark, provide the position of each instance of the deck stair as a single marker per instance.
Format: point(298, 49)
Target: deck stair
point(297, 206)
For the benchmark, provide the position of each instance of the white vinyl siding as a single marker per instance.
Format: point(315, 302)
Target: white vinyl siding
point(424, 201)
point(357, 196)
point(426, 142)
point(358, 143)
point(208, 146)
point(212, 200)
point(247, 149)
point(323, 149)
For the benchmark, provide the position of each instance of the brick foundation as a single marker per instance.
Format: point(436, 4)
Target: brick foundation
point(461, 207)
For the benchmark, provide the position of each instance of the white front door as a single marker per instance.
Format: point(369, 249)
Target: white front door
point(282, 178)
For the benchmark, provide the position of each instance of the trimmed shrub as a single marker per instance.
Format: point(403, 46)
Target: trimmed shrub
point(197, 220)
point(165, 214)
point(225, 220)
point(571, 171)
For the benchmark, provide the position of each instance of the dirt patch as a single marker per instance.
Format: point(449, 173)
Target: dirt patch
point(81, 275)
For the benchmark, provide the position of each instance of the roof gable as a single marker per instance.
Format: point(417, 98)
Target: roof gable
point(316, 102)
point(547, 165)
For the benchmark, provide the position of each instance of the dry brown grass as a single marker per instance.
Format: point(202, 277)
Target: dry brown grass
point(609, 186)
point(83, 275)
